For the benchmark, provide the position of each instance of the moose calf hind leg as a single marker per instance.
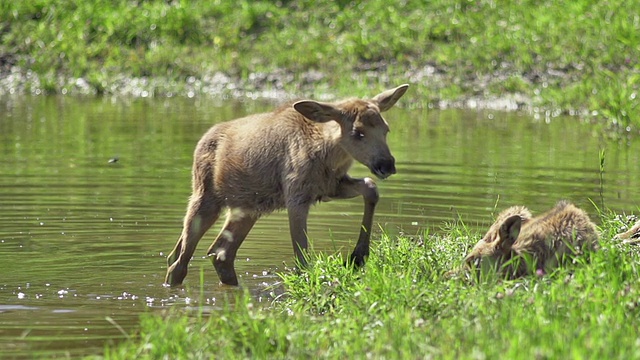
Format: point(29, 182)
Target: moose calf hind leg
point(224, 248)
point(201, 214)
point(175, 273)
point(173, 256)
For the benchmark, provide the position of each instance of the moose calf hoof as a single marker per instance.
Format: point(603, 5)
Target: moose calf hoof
point(175, 275)
point(356, 260)
point(232, 281)
point(226, 273)
point(227, 276)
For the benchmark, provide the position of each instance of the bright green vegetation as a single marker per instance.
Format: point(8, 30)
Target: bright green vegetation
point(572, 56)
point(404, 305)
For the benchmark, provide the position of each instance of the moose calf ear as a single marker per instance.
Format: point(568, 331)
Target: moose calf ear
point(509, 231)
point(317, 111)
point(388, 98)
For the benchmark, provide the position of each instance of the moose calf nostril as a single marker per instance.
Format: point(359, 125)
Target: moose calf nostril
point(384, 168)
point(388, 167)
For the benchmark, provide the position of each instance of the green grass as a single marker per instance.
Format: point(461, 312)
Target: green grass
point(404, 305)
point(579, 56)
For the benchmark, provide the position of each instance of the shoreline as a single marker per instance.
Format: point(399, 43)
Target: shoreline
point(277, 85)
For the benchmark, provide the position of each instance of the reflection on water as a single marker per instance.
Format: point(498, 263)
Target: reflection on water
point(83, 240)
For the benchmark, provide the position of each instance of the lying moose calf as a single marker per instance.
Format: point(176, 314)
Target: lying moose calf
point(518, 244)
point(289, 158)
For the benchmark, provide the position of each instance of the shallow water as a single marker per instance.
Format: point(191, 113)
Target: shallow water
point(83, 240)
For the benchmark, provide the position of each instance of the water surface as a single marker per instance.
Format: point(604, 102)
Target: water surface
point(83, 240)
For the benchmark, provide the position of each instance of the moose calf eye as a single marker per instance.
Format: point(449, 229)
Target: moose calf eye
point(356, 134)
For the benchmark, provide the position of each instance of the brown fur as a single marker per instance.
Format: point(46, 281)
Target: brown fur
point(286, 159)
point(545, 240)
point(631, 236)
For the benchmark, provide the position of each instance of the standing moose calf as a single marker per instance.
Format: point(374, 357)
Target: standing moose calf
point(289, 158)
point(547, 239)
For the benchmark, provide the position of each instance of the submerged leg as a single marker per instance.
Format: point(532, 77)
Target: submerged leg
point(224, 248)
point(201, 214)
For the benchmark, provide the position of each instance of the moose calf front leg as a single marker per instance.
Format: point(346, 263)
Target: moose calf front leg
point(298, 215)
point(349, 188)
point(369, 191)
